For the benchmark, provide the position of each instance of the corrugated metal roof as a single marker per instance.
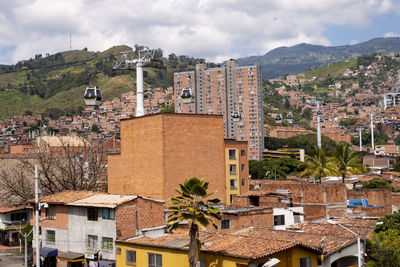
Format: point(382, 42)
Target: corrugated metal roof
point(103, 200)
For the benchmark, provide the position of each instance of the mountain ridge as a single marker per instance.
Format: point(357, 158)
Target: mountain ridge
point(302, 57)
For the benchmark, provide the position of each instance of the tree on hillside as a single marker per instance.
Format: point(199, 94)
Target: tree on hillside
point(317, 165)
point(193, 205)
point(346, 161)
point(64, 167)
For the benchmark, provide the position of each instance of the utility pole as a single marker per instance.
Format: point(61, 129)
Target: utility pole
point(142, 57)
point(360, 128)
point(37, 207)
point(319, 113)
point(372, 132)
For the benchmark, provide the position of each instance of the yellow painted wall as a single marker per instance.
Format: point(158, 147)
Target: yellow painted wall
point(175, 258)
point(172, 258)
point(291, 257)
point(229, 176)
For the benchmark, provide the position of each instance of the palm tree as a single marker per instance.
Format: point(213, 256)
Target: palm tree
point(192, 205)
point(317, 165)
point(346, 161)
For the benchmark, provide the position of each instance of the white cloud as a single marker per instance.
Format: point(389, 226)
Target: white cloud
point(391, 34)
point(215, 30)
point(353, 42)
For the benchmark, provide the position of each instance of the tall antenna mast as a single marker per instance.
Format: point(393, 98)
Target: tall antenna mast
point(372, 133)
point(70, 42)
point(141, 57)
point(319, 113)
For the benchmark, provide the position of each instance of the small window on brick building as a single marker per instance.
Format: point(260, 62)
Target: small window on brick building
point(279, 220)
point(130, 256)
point(51, 213)
point(232, 154)
point(92, 214)
point(242, 153)
point(26, 149)
point(108, 214)
point(232, 168)
point(242, 167)
point(225, 224)
point(254, 201)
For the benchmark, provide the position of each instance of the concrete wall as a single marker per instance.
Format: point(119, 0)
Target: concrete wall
point(80, 227)
point(289, 216)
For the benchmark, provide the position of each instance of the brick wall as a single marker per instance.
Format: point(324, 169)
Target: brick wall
point(376, 197)
point(314, 212)
point(373, 212)
point(260, 218)
point(138, 214)
point(335, 193)
point(60, 221)
point(159, 151)
point(395, 201)
point(309, 193)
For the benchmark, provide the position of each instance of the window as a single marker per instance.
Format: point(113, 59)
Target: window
point(233, 184)
point(51, 236)
point(242, 153)
point(155, 260)
point(108, 214)
point(243, 182)
point(51, 213)
point(225, 224)
point(242, 167)
point(232, 154)
point(279, 220)
point(19, 216)
point(130, 256)
point(297, 218)
point(92, 214)
point(201, 263)
point(305, 262)
point(92, 241)
point(107, 243)
point(232, 168)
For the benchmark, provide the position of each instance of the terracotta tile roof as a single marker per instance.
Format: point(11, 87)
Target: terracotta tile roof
point(9, 208)
point(250, 245)
point(65, 197)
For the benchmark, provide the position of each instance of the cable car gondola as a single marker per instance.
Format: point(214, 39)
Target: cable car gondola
point(92, 96)
point(236, 116)
point(278, 118)
point(186, 95)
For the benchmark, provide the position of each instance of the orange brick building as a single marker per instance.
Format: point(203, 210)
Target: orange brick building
point(159, 151)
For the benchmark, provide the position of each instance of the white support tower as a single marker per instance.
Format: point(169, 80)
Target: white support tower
point(141, 57)
point(360, 128)
point(372, 133)
point(319, 113)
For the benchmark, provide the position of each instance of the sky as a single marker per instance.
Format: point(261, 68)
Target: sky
point(213, 29)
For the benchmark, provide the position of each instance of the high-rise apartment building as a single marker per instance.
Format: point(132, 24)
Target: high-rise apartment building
point(232, 91)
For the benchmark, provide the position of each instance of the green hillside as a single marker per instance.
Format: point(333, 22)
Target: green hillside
point(55, 84)
point(332, 70)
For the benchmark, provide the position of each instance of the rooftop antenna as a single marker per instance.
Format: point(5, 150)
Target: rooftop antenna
point(70, 42)
point(141, 57)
